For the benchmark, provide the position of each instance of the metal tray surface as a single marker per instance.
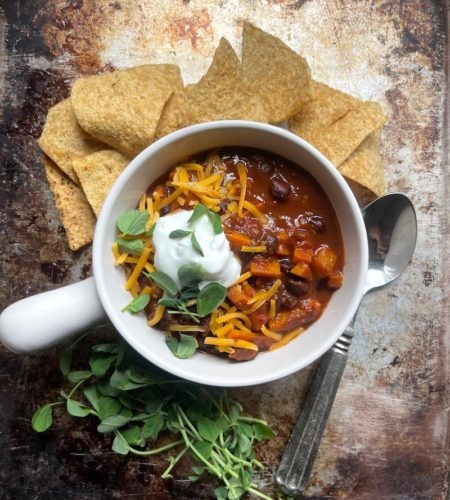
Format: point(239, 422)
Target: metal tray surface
point(387, 436)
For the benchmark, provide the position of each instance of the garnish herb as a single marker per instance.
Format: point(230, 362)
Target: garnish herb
point(216, 222)
point(189, 274)
point(199, 210)
point(184, 348)
point(179, 233)
point(133, 222)
point(196, 245)
point(137, 304)
point(210, 297)
point(138, 405)
point(133, 247)
point(163, 281)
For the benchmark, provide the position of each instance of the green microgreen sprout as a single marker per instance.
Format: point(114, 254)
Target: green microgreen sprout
point(139, 405)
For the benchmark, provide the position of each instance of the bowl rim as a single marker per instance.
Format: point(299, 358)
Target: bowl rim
point(138, 162)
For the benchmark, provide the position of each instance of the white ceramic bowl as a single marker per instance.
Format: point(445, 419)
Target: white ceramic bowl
point(109, 280)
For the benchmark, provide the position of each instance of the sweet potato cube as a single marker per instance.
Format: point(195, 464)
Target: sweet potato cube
point(302, 254)
point(324, 261)
point(282, 249)
point(307, 312)
point(237, 240)
point(335, 280)
point(265, 268)
point(302, 270)
point(236, 294)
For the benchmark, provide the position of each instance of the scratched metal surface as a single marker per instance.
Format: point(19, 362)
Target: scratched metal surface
point(387, 435)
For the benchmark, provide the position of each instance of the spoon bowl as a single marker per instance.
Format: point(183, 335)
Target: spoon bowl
point(391, 228)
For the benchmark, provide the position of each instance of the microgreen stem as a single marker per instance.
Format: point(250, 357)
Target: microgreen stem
point(188, 422)
point(174, 461)
point(75, 387)
point(252, 420)
point(258, 493)
point(155, 451)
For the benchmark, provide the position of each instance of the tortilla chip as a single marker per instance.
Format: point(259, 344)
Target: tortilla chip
point(274, 71)
point(340, 139)
point(97, 173)
point(123, 108)
point(327, 105)
point(63, 140)
point(364, 165)
point(75, 212)
point(172, 116)
point(222, 93)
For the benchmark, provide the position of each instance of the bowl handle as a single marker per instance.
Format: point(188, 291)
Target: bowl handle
point(45, 319)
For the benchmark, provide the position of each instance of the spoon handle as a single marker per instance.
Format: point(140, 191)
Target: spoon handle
point(298, 457)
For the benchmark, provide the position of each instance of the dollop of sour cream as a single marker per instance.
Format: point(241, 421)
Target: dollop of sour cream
point(218, 261)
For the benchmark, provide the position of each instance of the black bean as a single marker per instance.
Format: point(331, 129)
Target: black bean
point(286, 265)
point(285, 299)
point(164, 210)
point(279, 188)
point(317, 223)
point(271, 243)
point(296, 285)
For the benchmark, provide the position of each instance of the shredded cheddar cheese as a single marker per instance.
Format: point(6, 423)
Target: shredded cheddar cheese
point(255, 249)
point(242, 172)
point(158, 315)
point(287, 337)
point(243, 277)
point(138, 268)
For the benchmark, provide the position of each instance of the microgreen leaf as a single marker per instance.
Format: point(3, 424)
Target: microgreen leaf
point(119, 445)
point(152, 426)
point(179, 233)
point(110, 348)
point(208, 429)
point(78, 375)
point(91, 394)
point(204, 448)
point(199, 210)
point(209, 298)
point(190, 274)
point(65, 361)
point(42, 418)
point(132, 222)
point(221, 493)
point(138, 304)
point(133, 247)
point(133, 435)
point(216, 222)
point(262, 431)
point(163, 281)
point(100, 363)
point(113, 422)
point(183, 348)
point(75, 409)
point(108, 406)
point(196, 245)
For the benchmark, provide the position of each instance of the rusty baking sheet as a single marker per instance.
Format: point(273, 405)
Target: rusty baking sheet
point(388, 432)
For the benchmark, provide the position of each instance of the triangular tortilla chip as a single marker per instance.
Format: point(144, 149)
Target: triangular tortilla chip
point(172, 116)
point(75, 212)
point(222, 93)
point(338, 141)
point(63, 140)
point(326, 106)
point(97, 173)
point(364, 165)
point(274, 71)
point(123, 108)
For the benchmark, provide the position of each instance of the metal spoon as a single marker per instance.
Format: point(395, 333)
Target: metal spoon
point(391, 227)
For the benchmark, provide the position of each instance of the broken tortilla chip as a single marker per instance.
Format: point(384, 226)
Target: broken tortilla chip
point(63, 140)
point(97, 173)
point(123, 108)
point(275, 72)
point(364, 165)
point(327, 105)
point(222, 93)
point(75, 212)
